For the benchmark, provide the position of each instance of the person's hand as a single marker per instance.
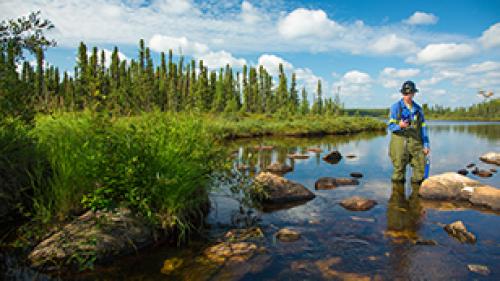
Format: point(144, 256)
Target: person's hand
point(403, 124)
point(427, 151)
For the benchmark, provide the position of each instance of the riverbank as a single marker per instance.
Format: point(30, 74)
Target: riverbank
point(156, 165)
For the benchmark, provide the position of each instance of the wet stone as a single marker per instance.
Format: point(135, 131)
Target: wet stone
point(331, 183)
point(287, 235)
point(252, 233)
point(281, 191)
point(482, 173)
point(333, 157)
point(470, 165)
point(356, 175)
point(227, 251)
point(298, 156)
point(357, 203)
point(279, 168)
point(491, 158)
point(493, 170)
point(459, 231)
point(463, 172)
point(479, 269)
point(350, 156)
point(170, 265)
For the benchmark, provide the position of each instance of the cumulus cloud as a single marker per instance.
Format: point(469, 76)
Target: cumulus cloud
point(271, 63)
point(162, 43)
point(306, 78)
point(355, 83)
point(249, 14)
point(173, 6)
point(215, 60)
point(421, 18)
point(303, 23)
point(392, 43)
point(391, 77)
point(444, 52)
point(483, 67)
point(491, 36)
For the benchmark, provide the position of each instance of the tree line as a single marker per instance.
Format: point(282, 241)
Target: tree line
point(129, 87)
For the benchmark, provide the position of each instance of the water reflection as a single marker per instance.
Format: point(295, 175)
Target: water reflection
point(404, 214)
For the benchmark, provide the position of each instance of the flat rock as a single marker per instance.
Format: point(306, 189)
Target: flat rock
point(331, 183)
point(298, 156)
point(239, 234)
point(228, 251)
point(333, 157)
point(455, 187)
point(482, 173)
point(479, 269)
point(357, 203)
point(356, 175)
point(279, 168)
point(315, 149)
point(491, 158)
point(280, 190)
point(459, 231)
point(105, 234)
point(287, 235)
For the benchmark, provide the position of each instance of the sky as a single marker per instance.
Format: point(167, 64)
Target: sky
point(363, 50)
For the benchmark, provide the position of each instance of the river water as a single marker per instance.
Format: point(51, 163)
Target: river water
point(337, 244)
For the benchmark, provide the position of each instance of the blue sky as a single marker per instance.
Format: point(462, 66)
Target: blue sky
point(451, 49)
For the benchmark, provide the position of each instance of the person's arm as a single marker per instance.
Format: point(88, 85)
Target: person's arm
point(424, 132)
point(393, 118)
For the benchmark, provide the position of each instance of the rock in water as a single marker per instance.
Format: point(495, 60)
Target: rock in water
point(479, 269)
point(484, 173)
point(356, 175)
point(315, 149)
point(233, 252)
point(105, 234)
point(170, 265)
point(279, 168)
point(333, 157)
point(455, 187)
point(463, 172)
point(280, 190)
point(470, 165)
point(459, 231)
point(357, 203)
point(298, 156)
point(491, 158)
point(287, 235)
point(331, 183)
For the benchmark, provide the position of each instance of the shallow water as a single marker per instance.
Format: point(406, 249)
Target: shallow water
point(339, 244)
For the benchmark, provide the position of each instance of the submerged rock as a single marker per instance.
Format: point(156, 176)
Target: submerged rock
point(280, 190)
point(170, 265)
point(491, 158)
point(333, 157)
point(455, 187)
point(279, 168)
point(103, 234)
point(252, 233)
point(482, 173)
point(357, 203)
point(298, 156)
point(331, 183)
point(479, 269)
point(233, 252)
point(459, 231)
point(287, 235)
point(426, 242)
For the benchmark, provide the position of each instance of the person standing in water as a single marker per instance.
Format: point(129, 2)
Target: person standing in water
point(409, 137)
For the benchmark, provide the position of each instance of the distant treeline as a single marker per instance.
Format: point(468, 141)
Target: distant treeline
point(129, 87)
point(489, 110)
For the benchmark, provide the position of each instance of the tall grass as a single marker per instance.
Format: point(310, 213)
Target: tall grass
point(155, 163)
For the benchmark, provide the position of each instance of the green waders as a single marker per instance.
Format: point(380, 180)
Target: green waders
point(406, 148)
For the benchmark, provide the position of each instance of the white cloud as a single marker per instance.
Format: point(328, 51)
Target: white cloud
point(392, 43)
point(491, 36)
point(161, 43)
point(355, 84)
point(444, 52)
point(173, 6)
point(421, 18)
point(356, 77)
point(249, 14)
point(483, 67)
point(303, 23)
point(391, 77)
point(271, 63)
point(215, 60)
point(306, 78)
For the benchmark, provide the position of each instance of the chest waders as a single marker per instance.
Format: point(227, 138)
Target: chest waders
point(405, 148)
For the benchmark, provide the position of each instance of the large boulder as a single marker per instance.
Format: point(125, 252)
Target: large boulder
point(331, 183)
point(94, 236)
point(491, 158)
point(280, 190)
point(455, 187)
